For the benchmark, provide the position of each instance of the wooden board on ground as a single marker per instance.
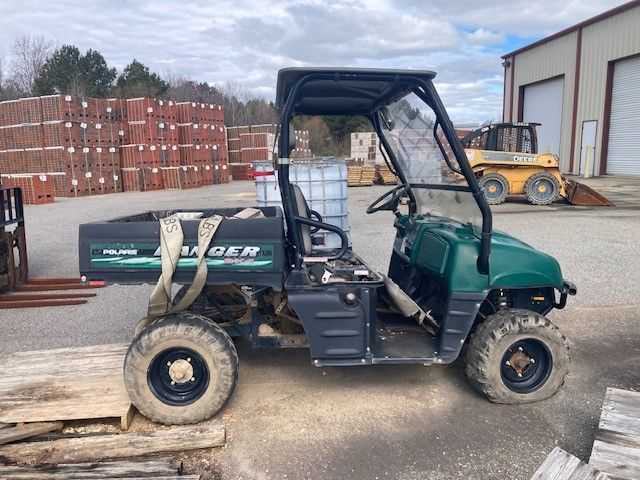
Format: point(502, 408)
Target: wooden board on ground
point(161, 467)
point(560, 465)
point(64, 384)
point(121, 445)
point(616, 449)
point(28, 430)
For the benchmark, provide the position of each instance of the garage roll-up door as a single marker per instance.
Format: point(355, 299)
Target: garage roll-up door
point(623, 153)
point(543, 104)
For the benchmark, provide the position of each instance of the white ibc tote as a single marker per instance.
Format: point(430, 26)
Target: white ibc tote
point(324, 184)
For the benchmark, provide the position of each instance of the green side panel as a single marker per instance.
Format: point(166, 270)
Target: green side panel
point(438, 249)
point(450, 251)
point(236, 256)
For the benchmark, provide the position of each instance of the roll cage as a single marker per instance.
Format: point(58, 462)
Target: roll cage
point(328, 91)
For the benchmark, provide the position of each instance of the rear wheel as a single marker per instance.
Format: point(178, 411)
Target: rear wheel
point(517, 356)
point(181, 369)
point(542, 188)
point(495, 188)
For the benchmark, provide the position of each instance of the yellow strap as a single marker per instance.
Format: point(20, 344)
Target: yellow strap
point(171, 240)
point(206, 231)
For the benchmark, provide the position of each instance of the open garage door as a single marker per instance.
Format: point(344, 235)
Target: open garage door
point(623, 153)
point(543, 104)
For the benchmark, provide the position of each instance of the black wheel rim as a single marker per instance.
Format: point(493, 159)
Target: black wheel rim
point(543, 190)
point(181, 385)
point(493, 189)
point(526, 366)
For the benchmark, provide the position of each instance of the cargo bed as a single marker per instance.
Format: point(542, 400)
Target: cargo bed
point(126, 250)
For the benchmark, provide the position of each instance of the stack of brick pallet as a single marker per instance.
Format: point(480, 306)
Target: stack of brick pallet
point(256, 143)
point(202, 140)
point(365, 148)
point(173, 145)
point(62, 144)
point(302, 149)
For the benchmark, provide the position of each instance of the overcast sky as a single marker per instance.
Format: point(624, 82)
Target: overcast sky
point(247, 41)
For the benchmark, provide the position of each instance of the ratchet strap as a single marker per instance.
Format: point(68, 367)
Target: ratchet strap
point(171, 241)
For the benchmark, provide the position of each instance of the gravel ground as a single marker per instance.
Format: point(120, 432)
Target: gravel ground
point(288, 419)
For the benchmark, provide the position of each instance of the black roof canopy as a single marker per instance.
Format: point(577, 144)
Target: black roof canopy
point(345, 91)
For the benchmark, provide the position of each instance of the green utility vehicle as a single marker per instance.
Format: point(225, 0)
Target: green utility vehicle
point(454, 286)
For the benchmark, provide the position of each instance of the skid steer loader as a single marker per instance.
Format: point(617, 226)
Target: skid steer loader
point(505, 158)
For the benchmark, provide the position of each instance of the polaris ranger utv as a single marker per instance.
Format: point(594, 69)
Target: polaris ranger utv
point(453, 284)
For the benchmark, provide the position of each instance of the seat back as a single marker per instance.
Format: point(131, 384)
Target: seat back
point(302, 210)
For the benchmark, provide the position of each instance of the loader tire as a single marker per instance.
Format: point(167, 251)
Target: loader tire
point(495, 188)
point(517, 356)
point(181, 369)
point(542, 188)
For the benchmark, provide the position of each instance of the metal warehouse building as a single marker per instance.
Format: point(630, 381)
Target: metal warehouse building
point(583, 85)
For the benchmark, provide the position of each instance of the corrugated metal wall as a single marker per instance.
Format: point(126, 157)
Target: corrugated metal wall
point(607, 40)
point(550, 60)
point(610, 39)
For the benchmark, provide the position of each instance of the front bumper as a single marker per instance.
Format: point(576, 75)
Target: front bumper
point(568, 288)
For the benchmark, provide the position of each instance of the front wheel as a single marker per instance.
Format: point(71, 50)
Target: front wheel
point(495, 188)
point(517, 356)
point(542, 188)
point(181, 369)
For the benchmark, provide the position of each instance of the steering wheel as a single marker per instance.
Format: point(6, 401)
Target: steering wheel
point(382, 203)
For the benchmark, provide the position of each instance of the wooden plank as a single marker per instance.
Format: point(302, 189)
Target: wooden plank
point(161, 467)
point(6, 304)
point(123, 445)
point(63, 384)
point(43, 296)
point(560, 465)
point(25, 287)
point(616, 449)
point(27, 430)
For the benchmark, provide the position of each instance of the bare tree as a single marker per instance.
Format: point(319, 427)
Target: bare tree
point(235, 97)
point(30, 54)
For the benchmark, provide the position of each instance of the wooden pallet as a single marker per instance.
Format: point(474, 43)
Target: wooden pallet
point(361, 176)
point(384, 176)
point(560, 465)
point(65, 384)
point(616, 449)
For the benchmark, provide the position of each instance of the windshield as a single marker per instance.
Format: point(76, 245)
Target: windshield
point(408, 126)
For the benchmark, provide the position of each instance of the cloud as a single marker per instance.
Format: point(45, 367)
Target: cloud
point(481, 36)
point(246, 41)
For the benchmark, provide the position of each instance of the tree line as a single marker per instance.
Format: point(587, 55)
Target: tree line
point(38, 68)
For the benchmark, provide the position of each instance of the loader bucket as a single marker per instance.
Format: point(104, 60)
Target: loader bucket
point(579, 194)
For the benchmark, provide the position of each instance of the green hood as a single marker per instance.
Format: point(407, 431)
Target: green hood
point(451, 250)
point(515, 264)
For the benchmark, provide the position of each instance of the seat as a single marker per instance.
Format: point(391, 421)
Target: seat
point(309, 221)
point(302, 210)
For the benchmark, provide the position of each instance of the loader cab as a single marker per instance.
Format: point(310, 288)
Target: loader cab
point(352, 314)
point(504, 137)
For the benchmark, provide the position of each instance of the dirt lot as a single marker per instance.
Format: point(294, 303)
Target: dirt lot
point(291, 420)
